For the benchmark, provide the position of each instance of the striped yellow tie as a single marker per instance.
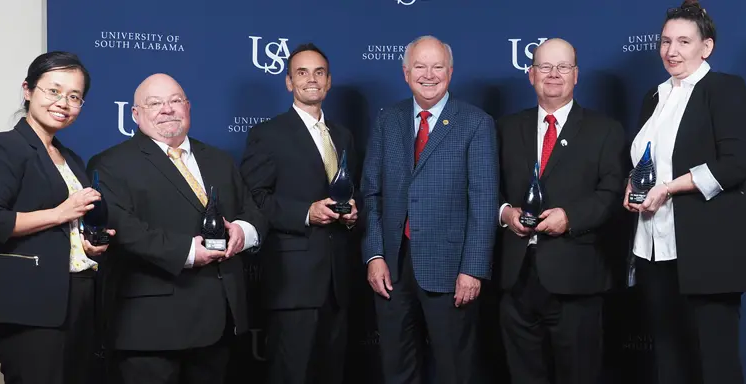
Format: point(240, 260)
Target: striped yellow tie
point(175, 155)
point(329, 154)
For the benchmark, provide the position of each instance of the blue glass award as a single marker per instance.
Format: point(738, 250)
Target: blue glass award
point(642, 178)
point(341, 188)
point(95, 221)
point(533, 202)
point(213, 227)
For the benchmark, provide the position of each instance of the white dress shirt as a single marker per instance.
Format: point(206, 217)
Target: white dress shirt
point(251, 237)
point(542, 127)
point(310, 123)
point(657, 230)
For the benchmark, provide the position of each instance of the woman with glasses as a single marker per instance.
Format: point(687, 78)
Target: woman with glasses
point(687, 243)
point(46, 266)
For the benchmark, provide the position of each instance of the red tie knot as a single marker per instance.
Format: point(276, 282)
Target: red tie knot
point(424, 115)
point(550, 119)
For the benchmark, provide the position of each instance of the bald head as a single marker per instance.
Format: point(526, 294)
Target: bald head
point(161, 109)
point(554, 74)
point(429, 43)
point(554, 46)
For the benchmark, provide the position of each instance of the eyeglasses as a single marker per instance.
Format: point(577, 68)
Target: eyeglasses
point(155, 103)
point(561, 68)
point(679, 11)
point(55, 95)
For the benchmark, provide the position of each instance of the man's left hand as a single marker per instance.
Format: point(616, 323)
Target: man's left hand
point(350, 218)
point(467, 289)
point(554, 222)
point(235, 239)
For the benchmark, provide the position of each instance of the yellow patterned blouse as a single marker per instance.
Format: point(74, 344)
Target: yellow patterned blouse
point(79, 261)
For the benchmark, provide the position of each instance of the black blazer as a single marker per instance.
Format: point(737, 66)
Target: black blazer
point(585, 178)
point(34, 269)
point(708, 233)
point(285, 173)
point(160, 305)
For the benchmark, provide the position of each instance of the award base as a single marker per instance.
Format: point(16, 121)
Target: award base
point(96, 237)
point(637, 198)
point(341, 208)
point(215, 244)
point(529, 221)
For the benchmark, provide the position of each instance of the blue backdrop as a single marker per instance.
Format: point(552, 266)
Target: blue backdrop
point(230, 57)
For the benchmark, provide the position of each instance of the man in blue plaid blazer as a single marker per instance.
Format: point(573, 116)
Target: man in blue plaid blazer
point(430, 183)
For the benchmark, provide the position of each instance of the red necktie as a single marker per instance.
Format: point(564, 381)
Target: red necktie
point(419, 146)
point(550, 138)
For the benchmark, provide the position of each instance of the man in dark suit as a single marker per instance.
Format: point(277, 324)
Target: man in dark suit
point(430, 183)
point(177, 303)
point(288, 164)
point(553, 274)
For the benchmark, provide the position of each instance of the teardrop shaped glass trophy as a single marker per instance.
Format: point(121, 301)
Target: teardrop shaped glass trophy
point(533, 202)
point(213, 227)
point(95, 221)
point(341, 188)
point(643, 178)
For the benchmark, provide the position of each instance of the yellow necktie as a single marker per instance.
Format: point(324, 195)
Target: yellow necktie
point(175, 155)
point(329, 154)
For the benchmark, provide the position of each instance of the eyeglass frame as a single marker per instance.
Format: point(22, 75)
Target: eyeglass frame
point(183, 99)
point(570, 67)
point(59, 97)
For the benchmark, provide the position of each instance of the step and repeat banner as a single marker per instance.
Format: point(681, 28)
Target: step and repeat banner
point(230, 56)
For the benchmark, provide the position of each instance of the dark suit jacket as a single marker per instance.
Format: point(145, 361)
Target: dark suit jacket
point(585, 178)
point(708, 233)
point(160, 305)
point(450, 197)
point(34, 269)
point(285, 173)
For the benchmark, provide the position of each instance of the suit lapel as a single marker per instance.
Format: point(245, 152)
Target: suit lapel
point(204, 161)
point(529, 131)
point(305, 144)
point(406, 124)
point(160, 161)
point(571, 128)
point(57, 188)
point(440, 130)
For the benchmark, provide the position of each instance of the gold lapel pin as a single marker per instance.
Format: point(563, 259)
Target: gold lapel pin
point(445, 122)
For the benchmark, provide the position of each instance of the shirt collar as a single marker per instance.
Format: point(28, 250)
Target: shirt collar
point(691, 80)
point(561, 114)
point(435, 110)
point(308, 120)
point(185, 146)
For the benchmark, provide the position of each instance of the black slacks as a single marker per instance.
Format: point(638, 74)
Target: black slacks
point(307, 346)
point(695, 336)
point(65, 355)
point(412, 312)
point(203, 365)
point(550, 338)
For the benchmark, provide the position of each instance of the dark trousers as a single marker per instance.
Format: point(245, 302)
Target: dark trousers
point(695, 336)
point(65, 355)
point(412, 312)
point(205, 365)
point(550, 338)
point(307, 346)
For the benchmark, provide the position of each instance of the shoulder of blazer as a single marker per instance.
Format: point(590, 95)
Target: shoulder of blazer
point(513, 120)
point(720, 81)
point(214, 152)
point(399, 108)
point(275, 125)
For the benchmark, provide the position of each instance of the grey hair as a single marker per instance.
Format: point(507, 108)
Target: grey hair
point(405, 59)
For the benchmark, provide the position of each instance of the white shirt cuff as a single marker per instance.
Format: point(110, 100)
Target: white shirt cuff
point(374, 257)
point(192, 254)
point(250, 236)
point(307, 216)
point(705, 181)
point(500, 215)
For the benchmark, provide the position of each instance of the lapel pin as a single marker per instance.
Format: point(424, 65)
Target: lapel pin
point(563, 142)
point(445, 122)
